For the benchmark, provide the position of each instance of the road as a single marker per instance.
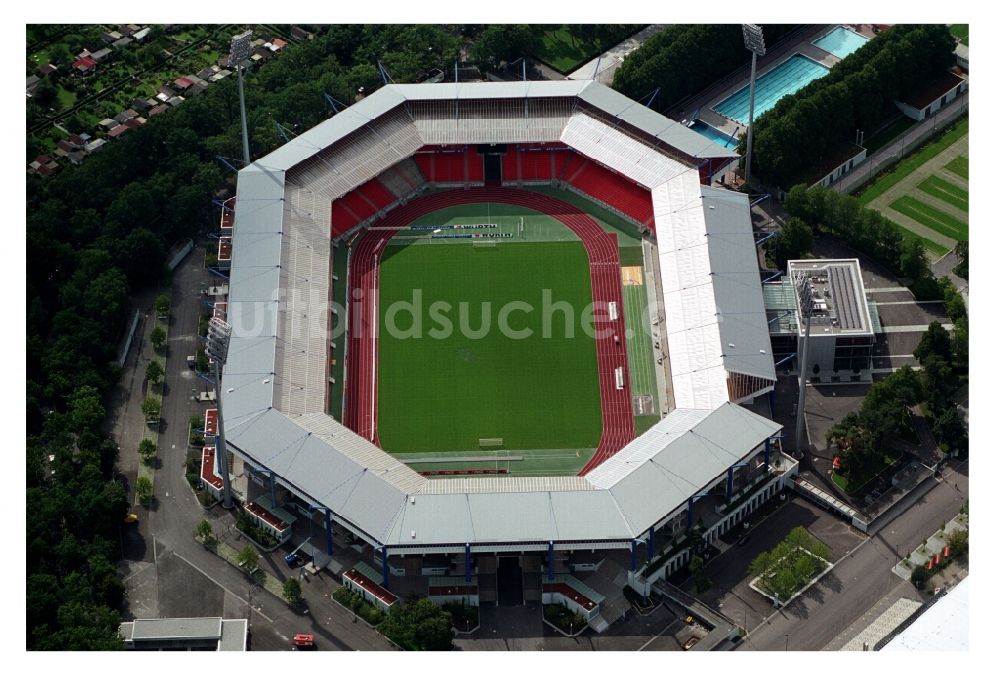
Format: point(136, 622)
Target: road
point(168, 573)
point(862, 577)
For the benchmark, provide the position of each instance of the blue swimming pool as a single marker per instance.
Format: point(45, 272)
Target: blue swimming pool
point(841, 42)
point(714, 135)
point(787, 77)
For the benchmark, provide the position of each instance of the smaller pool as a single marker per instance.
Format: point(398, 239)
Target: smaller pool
point(841, 42)
point(714, 135)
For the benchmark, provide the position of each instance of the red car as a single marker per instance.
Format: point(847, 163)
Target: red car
point(303, 641)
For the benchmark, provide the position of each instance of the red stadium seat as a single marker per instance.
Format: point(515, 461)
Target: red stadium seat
point(616, 191)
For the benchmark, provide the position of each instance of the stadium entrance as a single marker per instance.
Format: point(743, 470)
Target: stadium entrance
point(510, 589)
point(492, 154)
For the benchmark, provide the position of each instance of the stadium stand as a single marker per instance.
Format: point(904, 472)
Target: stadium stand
point(533, 163)
point(403, 178)
point(615, 191)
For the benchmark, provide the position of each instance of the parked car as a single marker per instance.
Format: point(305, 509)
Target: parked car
point(294, 560)
point(304, 641)
point(690, 643)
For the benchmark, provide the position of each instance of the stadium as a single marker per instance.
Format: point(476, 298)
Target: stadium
point(562, 464)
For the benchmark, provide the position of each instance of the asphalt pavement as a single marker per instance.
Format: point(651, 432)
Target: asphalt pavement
point(165, 570)
point(861, 577)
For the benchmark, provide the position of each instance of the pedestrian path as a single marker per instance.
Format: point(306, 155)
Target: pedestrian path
point(935, 544)
point(887, 622)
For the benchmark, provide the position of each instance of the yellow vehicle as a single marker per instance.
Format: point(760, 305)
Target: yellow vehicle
point(131, 518)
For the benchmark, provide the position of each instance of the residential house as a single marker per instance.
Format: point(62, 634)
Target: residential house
point(84, 65)
point(79, 140)
point(47, 69)
point(175, 100)
point(135, 122)
point(65, 146)
point(299, 33)
point(142, 105)
point(43, 165)
point(100, 54)
point(932, 95)
point(141, 35)
point(156, 110)
point(165, 92)
point(111, 36)
point(76, 156)
point(93, 146)
point(118, 131)
point(31, 83)
point(277, 44)
point(206, 73)
point(124, 42)
point(197, 88)
point(222, 74)
point(126, 115)
point(108, 124)
point(182, 84)
point(128, 30)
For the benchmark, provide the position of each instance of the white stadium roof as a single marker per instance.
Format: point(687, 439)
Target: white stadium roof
point(275, 379)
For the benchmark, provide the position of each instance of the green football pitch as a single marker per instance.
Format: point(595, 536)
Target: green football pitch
point(447, 391)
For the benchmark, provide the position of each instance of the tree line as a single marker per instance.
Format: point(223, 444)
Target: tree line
point(802, 129)
point(684, 59)
point(97, 233)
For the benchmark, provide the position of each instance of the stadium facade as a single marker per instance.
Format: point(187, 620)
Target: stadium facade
point(695, 475)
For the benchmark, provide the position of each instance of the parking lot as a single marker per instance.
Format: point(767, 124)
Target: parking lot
point(730, 591)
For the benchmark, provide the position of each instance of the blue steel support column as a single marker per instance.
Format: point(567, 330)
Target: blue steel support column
point(690, 512)
point(767, 452)
point(729, 484)
point(649, 545)
point(632, 565)
point(551, 556)
point(274, 501)
point(329, 533)
point(468, 563)
point(385, 567)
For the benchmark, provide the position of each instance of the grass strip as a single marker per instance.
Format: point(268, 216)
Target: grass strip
point(927, 215)
point(910, 164)
point(945, 191)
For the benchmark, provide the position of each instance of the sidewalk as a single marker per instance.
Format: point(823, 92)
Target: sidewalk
point(608, 62)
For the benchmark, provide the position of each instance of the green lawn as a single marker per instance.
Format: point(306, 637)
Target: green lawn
point(929, 244)
point(960, 31)
point(565, 51)
point(945, 191)
point(910, 164)
point(934, 219)
point(66, 98)
point(445, 390)
point(959, 166)
point(641, 364)
point(337, 353)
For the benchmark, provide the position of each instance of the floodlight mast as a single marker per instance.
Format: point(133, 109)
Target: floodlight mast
point(239, 51)
point(217, 348)
point(753, 39)
point(803, 292)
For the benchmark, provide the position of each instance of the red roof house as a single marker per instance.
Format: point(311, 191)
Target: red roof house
point(84, 64)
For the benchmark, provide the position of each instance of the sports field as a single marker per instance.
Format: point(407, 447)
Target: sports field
point(927, 194)
point(452, 390)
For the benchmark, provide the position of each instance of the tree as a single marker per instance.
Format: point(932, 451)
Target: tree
point(500, 43)
point(960, 345)
point(151, 409)
point(958, 540)
point(248, 558)
point(418, 625)
point(154, 372)
point(913, 260)
point(950, 432)
point(157, 338)
point(162, 305)
point(794, 241)
point(143, 490)
point(147, 450)
point(203, 529)
point(962, 254)
point(939, 383)
point(86, 409)
point(292, 590)
point(697, 569)
point(935, 341)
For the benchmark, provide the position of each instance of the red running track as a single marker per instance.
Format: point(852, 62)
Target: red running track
point(361, 386)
